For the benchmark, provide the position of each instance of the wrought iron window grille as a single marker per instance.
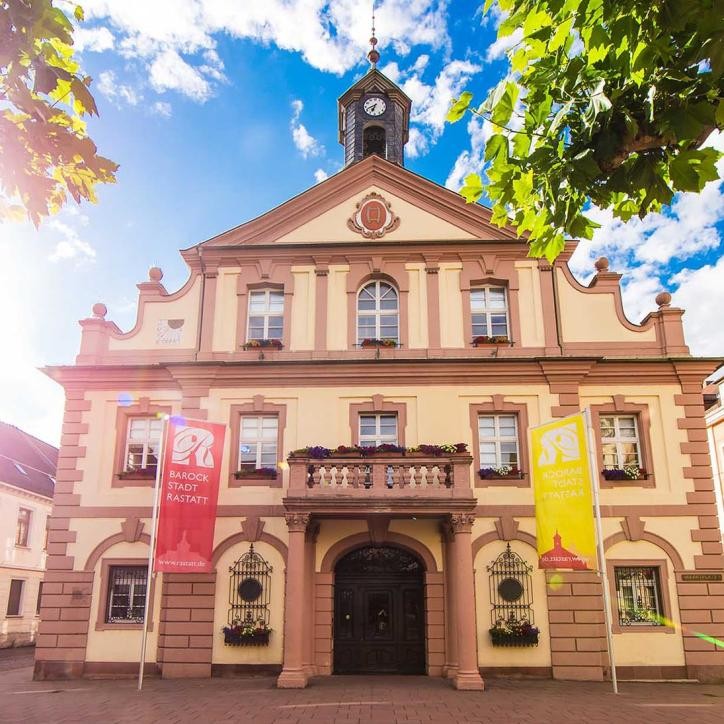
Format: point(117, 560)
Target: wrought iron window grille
point(511, 601)
point(249, 596)
point(638, 595)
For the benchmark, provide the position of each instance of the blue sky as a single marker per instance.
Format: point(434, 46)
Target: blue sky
point(218, 111)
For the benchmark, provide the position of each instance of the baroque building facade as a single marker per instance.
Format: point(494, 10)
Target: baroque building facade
point(378, 312)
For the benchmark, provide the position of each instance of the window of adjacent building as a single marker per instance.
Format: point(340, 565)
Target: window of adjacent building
point(266, 314)
point(258, 435)
point(15, 597)
point(498, 436)
point(22, 533)
point(489, 312)
point(377, 312)
point(638, 596)
point(377, 428)
point(126, 594)
point(142, 442)
point(620, 441)
point(40, 595)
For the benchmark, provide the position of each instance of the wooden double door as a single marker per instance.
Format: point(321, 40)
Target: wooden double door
point(379, 616)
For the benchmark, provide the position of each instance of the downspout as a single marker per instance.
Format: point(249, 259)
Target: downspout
point(201, 302)
point(555, 307)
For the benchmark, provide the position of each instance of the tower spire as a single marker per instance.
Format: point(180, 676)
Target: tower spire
point(374, 54)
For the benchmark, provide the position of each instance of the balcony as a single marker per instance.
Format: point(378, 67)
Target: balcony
point(384, 482)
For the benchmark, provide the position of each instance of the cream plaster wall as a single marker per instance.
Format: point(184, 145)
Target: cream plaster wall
point(417, 307)
point(303, 308)
point(337, 306)
point(271, 654)
point(664, 647)
point(590, 317)
point(530, 303)
point(451, 306)
point(331, 531)
point(489, 655)
point(424, 530)
point(226, 311)
point(185, 307)
point(665, 440)
point(121, 645)
point(416, 224)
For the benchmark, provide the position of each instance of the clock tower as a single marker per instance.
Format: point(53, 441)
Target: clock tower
point(374, 116)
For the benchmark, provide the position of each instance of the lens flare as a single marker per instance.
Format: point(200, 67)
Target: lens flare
point(125, 399)
point(178, 419)
point(555, 582)
point(710, 639)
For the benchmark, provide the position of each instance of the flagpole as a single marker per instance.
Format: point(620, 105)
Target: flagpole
point(592, 462)
point(151, 549)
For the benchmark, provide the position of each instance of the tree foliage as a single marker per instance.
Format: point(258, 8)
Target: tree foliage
point(45, 152)
point(606, 101)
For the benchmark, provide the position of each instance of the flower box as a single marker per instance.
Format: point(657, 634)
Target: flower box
point(253, 344)
point(252, 473)
point(367, 343)
point(234, 636)
point(484, 339)
point(502, 473)
point(145, 473)
point(631, 472)
point(500, 638)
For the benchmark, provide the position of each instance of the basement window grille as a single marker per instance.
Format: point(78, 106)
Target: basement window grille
point(638, 595)
point(126, 594)
point(511, 590)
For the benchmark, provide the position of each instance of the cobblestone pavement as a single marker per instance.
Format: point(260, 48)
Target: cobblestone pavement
point(16, 658)
point(354, 699)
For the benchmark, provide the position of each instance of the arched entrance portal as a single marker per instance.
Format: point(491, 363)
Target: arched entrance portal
point(379, 612)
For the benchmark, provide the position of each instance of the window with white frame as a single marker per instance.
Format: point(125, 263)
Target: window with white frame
point(22, 532)
point(498, 439)
point(377, 428)
point(638, 596)
point(620, 441)
point(489, 312)
point(15, 597)
point(378, 312)
point(126, 594)
point(266, 314)
point(258, 435)
point(142, 443)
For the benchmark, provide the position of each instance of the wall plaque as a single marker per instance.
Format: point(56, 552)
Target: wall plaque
point(373, 217)
point(701, 576)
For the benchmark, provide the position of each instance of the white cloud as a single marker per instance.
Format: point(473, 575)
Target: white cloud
point(117, 93)
point(94, 39)
point(303, 140)
point(71, 246)
point(470, 161)
point(169, 71)
point(161, 108)
point(417, 143)
point(329, 35)
point(320, 175)
point(501, 46)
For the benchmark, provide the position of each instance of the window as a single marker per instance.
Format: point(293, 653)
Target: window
point(258, 435)
point(377, 429)
point(638, 596)
point(142, 443)
point(266, 314)
point(15, 597)
point(620, 441)
point(498, 436)
point(40, 595)
point(23, 530)
point(126, 594)
point(489, 312)
point(377, 312)
point(373, 141)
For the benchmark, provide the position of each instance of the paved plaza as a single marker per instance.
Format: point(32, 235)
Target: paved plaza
point(346, 699)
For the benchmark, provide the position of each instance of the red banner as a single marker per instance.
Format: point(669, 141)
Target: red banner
point(189, 489)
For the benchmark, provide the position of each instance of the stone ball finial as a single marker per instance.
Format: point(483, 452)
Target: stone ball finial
point(601, 264)
point(663, 299)
point(100, 310)
point(155, 274)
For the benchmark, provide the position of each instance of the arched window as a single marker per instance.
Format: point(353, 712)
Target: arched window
point(378, 312)
point(373, 141)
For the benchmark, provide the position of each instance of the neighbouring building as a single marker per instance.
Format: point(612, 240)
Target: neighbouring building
point(27, 476)
point(377, 309)
point(714, 416)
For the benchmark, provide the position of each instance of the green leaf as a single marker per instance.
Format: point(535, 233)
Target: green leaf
point(598, 45)
point(473, 188)
point(503, 109)
point(691, 169)
point(496, 146)
point(79, 13)
point(561, 35)
point(459, 107)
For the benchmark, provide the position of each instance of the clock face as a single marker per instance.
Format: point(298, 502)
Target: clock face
point(374, 106)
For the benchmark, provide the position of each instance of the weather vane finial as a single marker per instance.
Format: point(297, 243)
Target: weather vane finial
point(373, 55)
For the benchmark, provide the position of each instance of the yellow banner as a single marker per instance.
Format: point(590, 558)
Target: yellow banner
point(563, 499)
